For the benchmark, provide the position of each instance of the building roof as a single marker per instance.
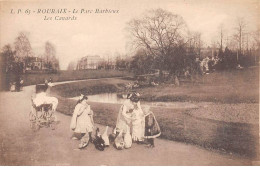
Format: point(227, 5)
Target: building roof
point(94, 57)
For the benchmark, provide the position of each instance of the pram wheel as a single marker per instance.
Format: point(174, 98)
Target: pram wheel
point(32, 117)
point(34, 126)
point(53, 126)
point(53, 122)
point(33, 122)
point(53, 118)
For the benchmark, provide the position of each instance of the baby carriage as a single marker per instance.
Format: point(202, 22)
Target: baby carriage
point(42, 116)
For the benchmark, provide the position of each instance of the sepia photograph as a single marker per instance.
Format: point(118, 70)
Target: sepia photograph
point(129, 82)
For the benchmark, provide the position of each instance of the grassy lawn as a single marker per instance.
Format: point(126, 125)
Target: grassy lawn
point(237, 86)
point(65, 75)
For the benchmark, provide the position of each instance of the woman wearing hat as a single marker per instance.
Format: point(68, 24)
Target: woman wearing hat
point(124, 118)
point(82, 122)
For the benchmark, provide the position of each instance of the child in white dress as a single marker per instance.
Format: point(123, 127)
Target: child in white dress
point(137, 121)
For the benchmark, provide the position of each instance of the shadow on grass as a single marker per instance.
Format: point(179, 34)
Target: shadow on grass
point(239, 138)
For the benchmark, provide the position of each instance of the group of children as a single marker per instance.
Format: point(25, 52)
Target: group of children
point(132, 118)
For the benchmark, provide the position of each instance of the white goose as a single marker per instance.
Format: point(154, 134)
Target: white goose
point(105, 137)
point(127, 139)
point(119, 141)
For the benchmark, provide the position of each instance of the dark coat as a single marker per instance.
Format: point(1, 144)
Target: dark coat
point(152, 128)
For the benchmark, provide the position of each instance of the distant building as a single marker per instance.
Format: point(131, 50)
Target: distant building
point(36, 63)
point(89, 62)
point(33, 63)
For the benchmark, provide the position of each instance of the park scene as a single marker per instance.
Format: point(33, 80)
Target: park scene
point(168, 84)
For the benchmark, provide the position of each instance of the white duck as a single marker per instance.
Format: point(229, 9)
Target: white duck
point(127, 139)
point(119, 141)
point(105, 137)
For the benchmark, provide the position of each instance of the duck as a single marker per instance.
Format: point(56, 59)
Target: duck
point(127, 139)
point(112, 136)
point(105, 137)
point(98, 141)
point(119, 141)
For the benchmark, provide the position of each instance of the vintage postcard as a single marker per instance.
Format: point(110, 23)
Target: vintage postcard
point(129, 82)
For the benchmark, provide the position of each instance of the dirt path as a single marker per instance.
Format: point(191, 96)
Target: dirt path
point(21, 146)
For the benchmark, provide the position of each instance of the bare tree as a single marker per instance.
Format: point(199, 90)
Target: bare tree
point(256, 44)
point(240, 31)
point(23, 47)
point(50, 56)
point(50, 52)
point(158, 31)
point(195, 42)
point(7, 57)
point(256, 37)
point(221, 35)
point(72, 65)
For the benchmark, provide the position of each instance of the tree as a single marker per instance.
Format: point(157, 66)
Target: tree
point(256, 37)
point(178, 60)
point(221, 36)
point(50, 52)
point(239, 35)
point(158, 31)
point(50, 56)
point(23, 49)
point(7, 57)
point(72, 65)
point(142, 63)
point(195, 43)
point(7, 64)
point(22, 46)
point(11, 68)
point(256, 45)
point(121, 63)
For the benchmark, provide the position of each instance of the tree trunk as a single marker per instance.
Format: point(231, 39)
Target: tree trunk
point(160, 75)
point(176, 81)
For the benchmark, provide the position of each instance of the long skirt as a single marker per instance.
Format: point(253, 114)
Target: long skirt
point(138, 130)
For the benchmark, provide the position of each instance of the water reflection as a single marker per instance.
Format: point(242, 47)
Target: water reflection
point(104, 98)
point(113, 98)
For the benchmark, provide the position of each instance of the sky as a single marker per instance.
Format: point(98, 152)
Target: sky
point(105, 34)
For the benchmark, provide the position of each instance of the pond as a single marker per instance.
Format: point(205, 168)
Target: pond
point(114, 98)
point(104, 98)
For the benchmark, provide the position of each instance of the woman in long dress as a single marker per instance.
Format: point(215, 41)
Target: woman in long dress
point(124, 117)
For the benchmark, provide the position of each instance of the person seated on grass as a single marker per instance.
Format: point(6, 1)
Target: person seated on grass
point(82, 122)
point(152, 129)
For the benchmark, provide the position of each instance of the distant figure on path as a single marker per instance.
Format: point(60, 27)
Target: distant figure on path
point(21, 84)
point(50, 80)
